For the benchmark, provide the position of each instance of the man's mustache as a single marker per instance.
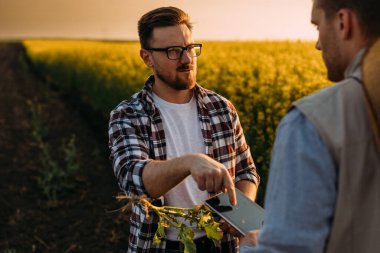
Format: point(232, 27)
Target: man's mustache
point(185, 67)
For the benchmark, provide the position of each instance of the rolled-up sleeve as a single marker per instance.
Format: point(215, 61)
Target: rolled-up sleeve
point(245, 166)
point(129, 152)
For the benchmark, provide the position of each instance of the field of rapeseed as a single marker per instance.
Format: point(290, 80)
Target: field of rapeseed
point(260, 78)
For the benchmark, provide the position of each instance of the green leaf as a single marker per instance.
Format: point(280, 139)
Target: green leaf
point(156, 239)
point(189, 246)
point(186, 236)
point(160, 232)
point(213, 231)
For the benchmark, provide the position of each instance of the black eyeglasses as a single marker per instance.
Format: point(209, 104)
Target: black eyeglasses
point(176, 52)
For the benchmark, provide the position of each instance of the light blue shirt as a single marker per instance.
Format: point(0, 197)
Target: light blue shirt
point(301, 191)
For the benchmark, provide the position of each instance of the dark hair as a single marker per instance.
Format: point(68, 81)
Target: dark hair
point(368, 12)
point(160, 17)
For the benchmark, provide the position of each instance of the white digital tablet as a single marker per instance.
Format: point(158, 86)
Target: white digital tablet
point(245, 216)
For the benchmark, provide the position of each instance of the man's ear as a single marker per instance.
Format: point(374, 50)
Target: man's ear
point(146, 57)
point(346, 19)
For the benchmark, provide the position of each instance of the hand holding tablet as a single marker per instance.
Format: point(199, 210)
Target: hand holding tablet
point(244, 217)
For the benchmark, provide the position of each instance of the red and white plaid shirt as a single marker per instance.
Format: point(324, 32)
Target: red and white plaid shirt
point(136, 136)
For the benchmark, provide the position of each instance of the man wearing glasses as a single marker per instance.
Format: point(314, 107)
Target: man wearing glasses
point(175, 141)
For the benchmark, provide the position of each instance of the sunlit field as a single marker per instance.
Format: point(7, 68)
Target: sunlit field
point(260, 78)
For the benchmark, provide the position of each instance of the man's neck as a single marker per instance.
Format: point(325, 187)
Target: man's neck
point(172, 95)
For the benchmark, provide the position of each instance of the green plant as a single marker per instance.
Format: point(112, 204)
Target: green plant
point(9, 251)
point(170, 216)
point(56, 174)
point(70, 155)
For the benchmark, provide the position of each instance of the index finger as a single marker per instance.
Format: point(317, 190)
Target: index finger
point(230, 187)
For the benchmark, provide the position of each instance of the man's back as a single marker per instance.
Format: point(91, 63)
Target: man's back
point(340, 116)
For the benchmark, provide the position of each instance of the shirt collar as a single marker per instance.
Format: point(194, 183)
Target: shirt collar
point(354, 69)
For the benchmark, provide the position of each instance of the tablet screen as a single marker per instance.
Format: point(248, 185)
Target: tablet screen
point(245, 216)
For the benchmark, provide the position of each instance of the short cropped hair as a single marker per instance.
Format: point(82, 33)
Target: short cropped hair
point(368, 12)
point(160, 17)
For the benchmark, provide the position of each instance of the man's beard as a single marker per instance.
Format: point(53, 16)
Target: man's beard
point(335, 76)
point(177, 83)
point(335, 70)
point(333, 59)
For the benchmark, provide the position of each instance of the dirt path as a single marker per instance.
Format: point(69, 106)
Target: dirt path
point(80, 222)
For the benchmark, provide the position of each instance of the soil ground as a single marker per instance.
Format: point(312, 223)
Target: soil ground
point(83, 220)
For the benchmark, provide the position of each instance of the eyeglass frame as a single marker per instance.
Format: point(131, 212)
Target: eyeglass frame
point(166, 49)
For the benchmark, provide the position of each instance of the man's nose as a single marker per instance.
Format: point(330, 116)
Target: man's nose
point(185, 57)
point(318, 45)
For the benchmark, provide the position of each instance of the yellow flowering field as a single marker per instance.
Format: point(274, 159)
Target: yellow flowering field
point(260, 78)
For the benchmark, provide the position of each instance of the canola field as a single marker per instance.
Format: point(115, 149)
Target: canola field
point(261, 78)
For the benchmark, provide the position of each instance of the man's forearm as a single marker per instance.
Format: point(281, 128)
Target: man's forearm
point(248, 188)
point(161, 176)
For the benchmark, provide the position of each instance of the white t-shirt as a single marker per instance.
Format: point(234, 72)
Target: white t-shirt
point(183, 135)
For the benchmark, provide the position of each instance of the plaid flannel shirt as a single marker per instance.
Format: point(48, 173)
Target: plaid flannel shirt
point(136, 136)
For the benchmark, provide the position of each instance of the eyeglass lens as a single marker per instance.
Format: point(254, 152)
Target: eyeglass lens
point(176, 52)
